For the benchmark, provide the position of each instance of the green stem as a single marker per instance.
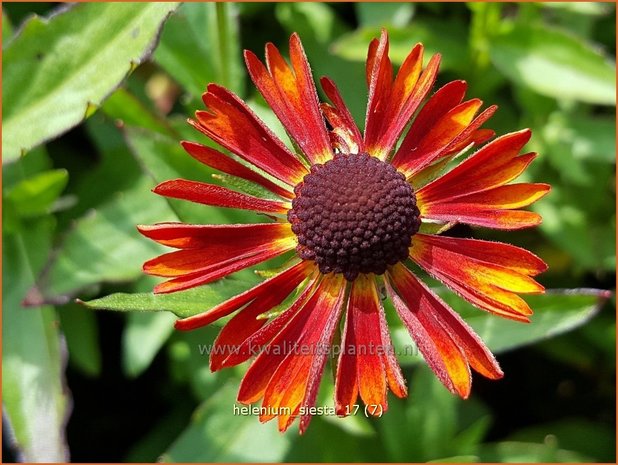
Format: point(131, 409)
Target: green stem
point(222, 34)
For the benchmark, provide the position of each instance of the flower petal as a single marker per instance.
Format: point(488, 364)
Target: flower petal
point(231, 123)
point(392, 105)
point(436, 140)
point(245, 334)
point(189, 261)
point(225, 164)
point(294, 274)
point(491, 208)
point(494, 165)
point(416, 309)
point(224, 268)
point(293, 362)
point(487, 274)
point(292, 95)
point(364, 315)
point(340, 117)
point(210, 194)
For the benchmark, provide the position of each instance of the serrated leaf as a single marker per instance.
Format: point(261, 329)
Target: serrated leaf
point(58, 67)
point(554, 63)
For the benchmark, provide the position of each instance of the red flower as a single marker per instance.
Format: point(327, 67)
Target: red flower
point(352, 209)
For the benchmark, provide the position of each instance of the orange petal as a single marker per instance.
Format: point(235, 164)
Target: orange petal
point(245, 341)
point(340, 117)
point(225, 164)
point(296, 273)
point(199, 236)
point(292, 95)
point(490, 208)
point(231, 123)
point(494, 165)
point(416, 309)
point(487, 274)
point(210, 194)
point(222, 269)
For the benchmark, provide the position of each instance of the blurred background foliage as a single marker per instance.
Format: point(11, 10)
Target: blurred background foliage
point(95, 100)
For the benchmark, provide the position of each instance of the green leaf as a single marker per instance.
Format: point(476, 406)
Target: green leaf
point(429, 416)
point(144, 335)
point(384, 14)
point(555, 312)
point(588, 438)
point(456, 459)
point(35, 401)
point(200, 44)
point(554, 63)
point(58, 69)
point(163, 158)
point(125, 107)
point(104, 246)
point(525, 452)
point(429, 32)
point(183, 304)
point(82, 336)
point(217, 434)
point(7, 28)
point(35, 195)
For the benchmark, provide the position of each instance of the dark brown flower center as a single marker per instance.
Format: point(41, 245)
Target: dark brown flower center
point(354, 214)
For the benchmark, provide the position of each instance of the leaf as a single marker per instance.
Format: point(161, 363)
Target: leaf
point(57, 69)
point(218, 434)
point(35, 402)
point(103, 246)
point(588, 438)
point(427, 31)
point(7, 28)
point(183, 303)
point(163, 158)
point(555, 312)
point(144, 335)
point(125, 107)
point(200, 44)
point(525, 452)
point(82, 336)
point(554, 63)
point(384, 14)
point(35, 195)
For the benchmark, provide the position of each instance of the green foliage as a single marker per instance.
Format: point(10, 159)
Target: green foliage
point(77, 180)
point(47, 90)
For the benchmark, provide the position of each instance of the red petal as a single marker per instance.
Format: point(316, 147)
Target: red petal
point(210, 194)
point(436, 140)
point(296, 273)
point(198, 236)
point(416, 310)
point(494, 165)
point(222, 269)
point(440, 103)
point(364, 313)
point(225, 164)
point(488, 274)
point(231, 123)
point(292, 95)
point(391, 106)
point(231, 346)
point(491, 208)
point(340, 117)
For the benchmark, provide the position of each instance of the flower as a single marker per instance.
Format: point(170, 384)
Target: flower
point(352, 209)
